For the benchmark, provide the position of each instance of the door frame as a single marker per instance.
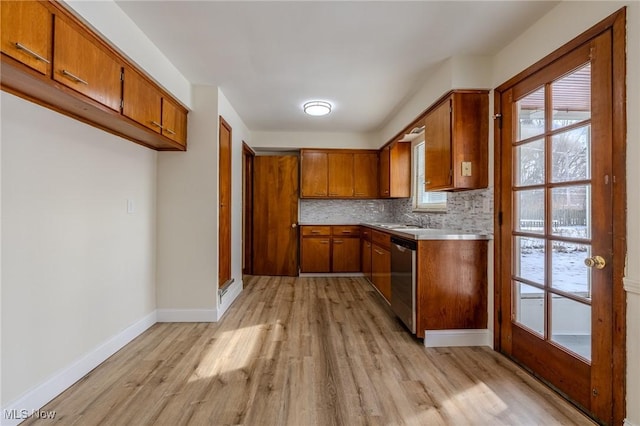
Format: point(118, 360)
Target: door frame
point(617, 24)
point(224, 206)
point(248, 155)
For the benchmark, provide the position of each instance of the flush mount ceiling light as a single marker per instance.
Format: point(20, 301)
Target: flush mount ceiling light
point(317, 108)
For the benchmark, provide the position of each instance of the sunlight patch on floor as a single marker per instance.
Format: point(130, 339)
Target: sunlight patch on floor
point(232, 350)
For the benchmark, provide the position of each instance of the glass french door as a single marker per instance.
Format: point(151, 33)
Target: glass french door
point(556, 202)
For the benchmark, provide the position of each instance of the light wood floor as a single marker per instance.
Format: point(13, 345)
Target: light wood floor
point(305, 351)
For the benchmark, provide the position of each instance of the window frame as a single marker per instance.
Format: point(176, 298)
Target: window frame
point(416, 206)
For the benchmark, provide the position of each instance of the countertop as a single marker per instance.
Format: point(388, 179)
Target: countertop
point(416, 233)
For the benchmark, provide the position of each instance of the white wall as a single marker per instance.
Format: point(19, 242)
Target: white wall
point(107, 18)
point(296, 140)
point(239, 133)
point(187, 218)
point(77, 269)
point(563, 23)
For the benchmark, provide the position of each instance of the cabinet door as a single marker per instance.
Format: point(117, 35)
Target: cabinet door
point(381, 270)
point(314, 171)
point(315, 254)
point(174, 121)
point(385, 157)
point(142, 102)
point(345, 254)
point(400, 170)
point(437, 137)
point(365, 175)
point(85, 66)
point(340, 175)
point(26, 33)
point(366, 258)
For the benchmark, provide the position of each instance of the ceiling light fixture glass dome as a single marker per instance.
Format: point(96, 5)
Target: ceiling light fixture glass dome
point(317, 108)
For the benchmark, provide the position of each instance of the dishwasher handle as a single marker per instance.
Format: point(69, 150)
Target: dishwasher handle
point(407, 244)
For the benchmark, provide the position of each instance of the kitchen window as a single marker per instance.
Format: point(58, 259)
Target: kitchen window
point(423, 200)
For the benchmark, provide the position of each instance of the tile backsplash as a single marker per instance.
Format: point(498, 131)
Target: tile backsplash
point(346, 211)
point(466, 210)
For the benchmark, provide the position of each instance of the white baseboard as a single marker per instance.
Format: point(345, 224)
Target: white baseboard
point(631, 285)
point(628, 423)
point(37, 397)
point(187, 315)
point(228, 297)
point(441, 338)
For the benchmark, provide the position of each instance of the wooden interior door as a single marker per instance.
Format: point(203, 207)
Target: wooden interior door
point(224, 218)
point(557, 214)
point(275, 215)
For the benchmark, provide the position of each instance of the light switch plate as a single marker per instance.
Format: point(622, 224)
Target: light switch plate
point(466, 168)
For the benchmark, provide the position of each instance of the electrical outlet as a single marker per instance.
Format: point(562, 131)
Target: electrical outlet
point(466, 168)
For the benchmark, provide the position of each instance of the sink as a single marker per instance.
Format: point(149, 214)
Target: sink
point(401, 226)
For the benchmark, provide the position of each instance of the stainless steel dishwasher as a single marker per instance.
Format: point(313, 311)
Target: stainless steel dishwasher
point(403, 281)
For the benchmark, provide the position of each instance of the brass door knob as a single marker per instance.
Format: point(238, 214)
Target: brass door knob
point(597, 262)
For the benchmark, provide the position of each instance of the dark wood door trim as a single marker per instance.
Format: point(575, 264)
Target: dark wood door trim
point(248, 155)
point(616, 23)
point(224, 198)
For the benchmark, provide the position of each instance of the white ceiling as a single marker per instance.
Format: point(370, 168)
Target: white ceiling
point(366, 58)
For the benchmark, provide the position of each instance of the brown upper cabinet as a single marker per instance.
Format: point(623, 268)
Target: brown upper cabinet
point(456, 142)
point(26, 34)
point(52, 58)
point(174, 121)
point(395, 170)
point(338, 173)
point(84, 65)
point(144, 103)
point(314, 171)
point(141, 101)
point(365, 172)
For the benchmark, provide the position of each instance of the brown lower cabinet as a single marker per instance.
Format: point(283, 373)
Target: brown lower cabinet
point(451, 285)
point(365, 252)
point(330, 248)
point(381, 270)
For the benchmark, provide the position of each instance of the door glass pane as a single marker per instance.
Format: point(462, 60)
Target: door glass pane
point(530, 113)
point(529, 210)
point(529, 163)
point(528, 304)
point(529, 259)
point(570, 212)
point(570, 155)
point(568, 271)
point(571, 98)
point(571, 325)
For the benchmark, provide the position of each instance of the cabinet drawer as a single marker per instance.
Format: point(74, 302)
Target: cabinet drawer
point(315, 230)
point(346, 230)
point(365, 233)
point(381, 238)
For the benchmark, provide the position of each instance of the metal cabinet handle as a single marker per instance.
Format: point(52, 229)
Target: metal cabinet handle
point(346, 232)
point(171, 132)
point(74, 77)
point(294, 225)
point(338, 241)
point(378, 251)
point(315, 231)
point(324, 242)
point(31, 52)
point(157, 124)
